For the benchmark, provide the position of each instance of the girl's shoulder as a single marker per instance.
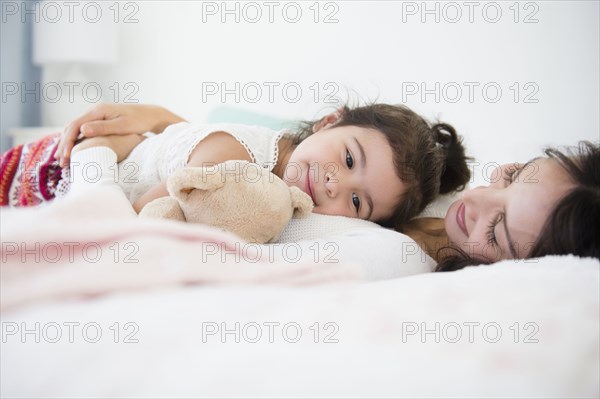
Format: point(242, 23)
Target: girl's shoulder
point(180, 140)
point(235, 129)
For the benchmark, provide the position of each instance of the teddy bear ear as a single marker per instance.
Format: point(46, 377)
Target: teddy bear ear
point(185, 180)
point(301, 202)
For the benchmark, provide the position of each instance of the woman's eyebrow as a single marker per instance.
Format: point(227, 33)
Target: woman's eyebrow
point(363, 165)
point(516, 176)
point(509, 240)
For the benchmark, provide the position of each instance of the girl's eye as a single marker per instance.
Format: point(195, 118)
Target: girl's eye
point(491, 235)
point(349, 159)
point(356, 201)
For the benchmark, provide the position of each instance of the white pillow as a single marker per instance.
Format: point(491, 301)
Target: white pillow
point(439, 207)
point(383, 253)
point(315, 226)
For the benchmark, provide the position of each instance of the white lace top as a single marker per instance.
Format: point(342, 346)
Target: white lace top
point(157, 157)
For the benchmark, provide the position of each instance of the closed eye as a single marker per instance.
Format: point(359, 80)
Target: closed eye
point(491, 234)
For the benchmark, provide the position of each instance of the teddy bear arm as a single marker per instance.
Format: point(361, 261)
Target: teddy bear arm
point(163, 208)
point(301, 202)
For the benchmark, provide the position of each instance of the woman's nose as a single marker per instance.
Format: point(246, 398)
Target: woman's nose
point(477, 202)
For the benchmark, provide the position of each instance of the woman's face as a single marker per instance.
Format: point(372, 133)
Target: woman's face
point(504, 219)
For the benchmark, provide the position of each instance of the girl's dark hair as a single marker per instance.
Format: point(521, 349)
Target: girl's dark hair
point(572, 228)
point(430, 159)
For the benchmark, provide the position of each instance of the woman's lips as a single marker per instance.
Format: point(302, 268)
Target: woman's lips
point(460, 218)
point(308, 187)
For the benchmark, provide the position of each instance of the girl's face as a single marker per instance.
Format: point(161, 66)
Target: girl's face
point(348, 171)
point(504, 219)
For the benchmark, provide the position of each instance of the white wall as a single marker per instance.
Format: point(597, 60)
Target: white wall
point(376, 50)
point(371, 51)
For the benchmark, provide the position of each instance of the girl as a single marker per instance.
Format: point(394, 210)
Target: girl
point(547, 206)
point(377, 162)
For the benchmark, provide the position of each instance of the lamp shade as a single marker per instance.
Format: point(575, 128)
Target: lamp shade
point(90, 37)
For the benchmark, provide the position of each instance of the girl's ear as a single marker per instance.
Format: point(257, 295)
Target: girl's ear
point(328, 120)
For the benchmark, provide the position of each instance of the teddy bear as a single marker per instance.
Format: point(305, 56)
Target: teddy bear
point(237, 196)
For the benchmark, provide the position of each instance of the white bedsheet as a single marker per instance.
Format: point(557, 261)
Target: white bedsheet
point(77, 328)
point(378, 352)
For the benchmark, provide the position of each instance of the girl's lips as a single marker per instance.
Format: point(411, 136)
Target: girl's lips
point(308, 187)
point(460, 218)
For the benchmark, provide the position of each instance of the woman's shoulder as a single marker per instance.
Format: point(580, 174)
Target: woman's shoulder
point(429, 233)
point(430, 225)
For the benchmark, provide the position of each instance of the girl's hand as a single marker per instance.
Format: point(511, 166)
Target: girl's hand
point(114, 119)
point(122, 144)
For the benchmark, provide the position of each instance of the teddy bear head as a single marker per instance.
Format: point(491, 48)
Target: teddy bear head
point(237, 196)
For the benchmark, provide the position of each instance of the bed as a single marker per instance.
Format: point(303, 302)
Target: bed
point(108, 305)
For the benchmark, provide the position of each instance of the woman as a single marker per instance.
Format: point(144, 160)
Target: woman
point(547, 206)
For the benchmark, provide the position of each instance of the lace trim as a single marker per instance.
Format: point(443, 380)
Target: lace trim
point(279, 136)
point(275, 143)
point(197, 140)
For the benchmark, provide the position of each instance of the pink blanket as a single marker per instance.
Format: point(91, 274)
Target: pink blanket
point(81, 246)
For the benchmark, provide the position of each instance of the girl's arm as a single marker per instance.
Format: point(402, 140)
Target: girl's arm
point(160, 190)
point(218, 147)
point(122, 145)
point(114, 119)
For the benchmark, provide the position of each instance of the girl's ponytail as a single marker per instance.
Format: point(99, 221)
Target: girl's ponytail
point(455, 174)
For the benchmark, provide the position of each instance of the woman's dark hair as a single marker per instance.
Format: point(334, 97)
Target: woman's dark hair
point(430, 159)
point(572, 228)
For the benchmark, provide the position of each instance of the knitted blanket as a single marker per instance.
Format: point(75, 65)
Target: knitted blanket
point(29, 173)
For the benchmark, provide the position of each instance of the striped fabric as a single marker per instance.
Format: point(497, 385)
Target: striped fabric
point(29, 173)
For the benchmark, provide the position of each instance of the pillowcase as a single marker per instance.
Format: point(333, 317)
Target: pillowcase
point(439, 207)
point(383, 253)
point(316, 226)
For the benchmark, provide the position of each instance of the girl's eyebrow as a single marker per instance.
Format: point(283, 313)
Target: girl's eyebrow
point(363, 165)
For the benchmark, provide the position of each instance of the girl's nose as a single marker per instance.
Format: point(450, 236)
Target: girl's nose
point(331, 184)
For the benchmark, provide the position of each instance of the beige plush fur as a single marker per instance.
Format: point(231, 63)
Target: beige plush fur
point(236, 196)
